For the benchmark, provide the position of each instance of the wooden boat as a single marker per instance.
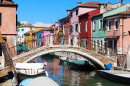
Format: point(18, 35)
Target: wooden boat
point(80, 65)
point(30, 70)
point(63, 59)
point(115, 75)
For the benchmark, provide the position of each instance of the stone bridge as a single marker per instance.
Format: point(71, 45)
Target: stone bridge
point(97, 59)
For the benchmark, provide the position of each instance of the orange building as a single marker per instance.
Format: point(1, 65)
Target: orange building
point(8, 22)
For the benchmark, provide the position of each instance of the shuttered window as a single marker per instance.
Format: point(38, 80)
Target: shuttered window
point(76, 27)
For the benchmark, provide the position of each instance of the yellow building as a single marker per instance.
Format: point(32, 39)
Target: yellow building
point(28, 38)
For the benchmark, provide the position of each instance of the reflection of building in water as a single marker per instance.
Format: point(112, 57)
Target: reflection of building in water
point(56, 66)
point(67, 75)
point(75, 78)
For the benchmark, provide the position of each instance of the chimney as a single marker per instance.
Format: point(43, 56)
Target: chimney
point(79, 3)
point(68, 11)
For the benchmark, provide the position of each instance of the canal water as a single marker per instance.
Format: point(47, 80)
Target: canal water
point(64, 76)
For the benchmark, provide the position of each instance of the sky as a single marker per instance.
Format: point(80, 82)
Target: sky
point(47, 12)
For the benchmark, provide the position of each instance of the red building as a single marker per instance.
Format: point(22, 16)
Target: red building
point(85, 27)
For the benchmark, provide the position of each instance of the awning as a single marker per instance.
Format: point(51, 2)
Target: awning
point(112, 36)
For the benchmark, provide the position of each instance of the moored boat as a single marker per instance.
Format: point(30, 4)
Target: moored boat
point(80, 65)
point(30, 70)
point(115, 75)
point(63, 59)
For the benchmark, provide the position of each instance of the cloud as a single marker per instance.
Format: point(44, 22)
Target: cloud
point(24, 22)
point(40, 24)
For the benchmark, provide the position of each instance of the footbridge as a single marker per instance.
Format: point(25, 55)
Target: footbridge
point(94, 52)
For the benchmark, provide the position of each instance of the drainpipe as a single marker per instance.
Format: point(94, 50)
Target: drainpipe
point(123, 34)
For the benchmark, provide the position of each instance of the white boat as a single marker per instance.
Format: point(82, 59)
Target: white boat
point(30, 70)
point(63, 59)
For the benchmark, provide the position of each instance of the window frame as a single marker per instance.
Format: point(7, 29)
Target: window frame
point(100, 24)
point(80, 28)
point(76, 27)
point(71, 14)
point(94, 26)
point(115, 28)
point(86, 26)
point(76, 12)
point(108, 25)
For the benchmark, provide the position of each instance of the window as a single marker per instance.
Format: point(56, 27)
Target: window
point(67, 20)
point(116, 24)
point(86, 27)
point(71, 14)
point(71, 28)
point(94, 25)
point(109, 25)
point(76, 12)
point(76, 27)
point(22, 36)
point(68, 30)
point(18, 30)
point(100, 24)
point(65, 31)
point(80, 27)
point(104, 24)
point(39, 35)
point(22, 29)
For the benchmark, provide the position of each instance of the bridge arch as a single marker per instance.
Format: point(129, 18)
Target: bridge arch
point(95, 61)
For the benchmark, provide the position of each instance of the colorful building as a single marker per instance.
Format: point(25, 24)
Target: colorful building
point(118, 28)
point(28, 38)
point(8, 19)
point(79, 10)
point(66, 24)
point(85, 27)
point(21, 30)
point(99, 27)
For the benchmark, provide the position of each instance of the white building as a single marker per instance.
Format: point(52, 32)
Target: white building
point(23, 29)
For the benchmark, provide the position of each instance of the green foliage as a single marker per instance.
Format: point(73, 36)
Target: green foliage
point(18, 23)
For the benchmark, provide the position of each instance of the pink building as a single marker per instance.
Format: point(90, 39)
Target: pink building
point(8, 22)
point(79, 10)
point(118, 32)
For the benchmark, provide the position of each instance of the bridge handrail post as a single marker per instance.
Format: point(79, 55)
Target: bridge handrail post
point(69, 40)
point(75, 40)
point(51, 39)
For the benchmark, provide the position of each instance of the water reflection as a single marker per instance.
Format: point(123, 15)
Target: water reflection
point(67, 77)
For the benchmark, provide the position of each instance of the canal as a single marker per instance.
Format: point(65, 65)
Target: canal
point(64, 76)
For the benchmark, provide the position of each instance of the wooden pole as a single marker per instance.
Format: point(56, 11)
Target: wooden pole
point(7, 56)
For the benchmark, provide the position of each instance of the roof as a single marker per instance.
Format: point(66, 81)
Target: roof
point(89, 4)
point(121, 13)
point(29, 32)
point(8, 3)
point(26, 25)
point(88, 12)
point(64, 18)
point(125, 12)
point(44, 29)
